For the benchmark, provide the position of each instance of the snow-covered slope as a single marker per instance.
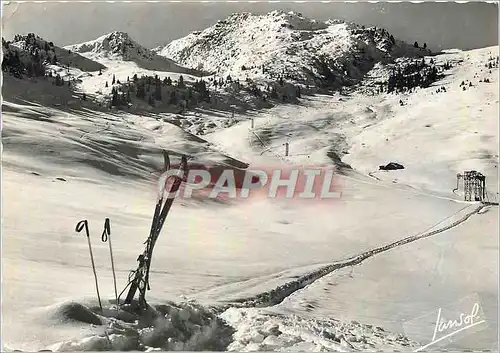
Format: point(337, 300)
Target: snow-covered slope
point(461, 110)
point(92, 165)
point(118, 46)
point(287, 44)
point(275, 264)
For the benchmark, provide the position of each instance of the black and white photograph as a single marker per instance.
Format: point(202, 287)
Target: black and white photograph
point(250, 176)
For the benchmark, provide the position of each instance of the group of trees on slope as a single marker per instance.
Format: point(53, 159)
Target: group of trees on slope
point(31, 60)
point(415, 73)
point(185, 95)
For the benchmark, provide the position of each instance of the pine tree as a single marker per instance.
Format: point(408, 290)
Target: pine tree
point(6, 57)
point(415, 44)
point(100, 72)
point(157, 92)
point(106, 85)
point(59, 81)
point(391, 83)
point(141, 92)
point(189, 95)
point(113, 82)
point(180, 84)
point(173, 98)
point(114, 99)
point(425, 45)
point(18, 66)
point(274, 93)
point(29, 70)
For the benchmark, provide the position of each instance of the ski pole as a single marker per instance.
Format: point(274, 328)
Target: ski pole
point(106, 235)
point(79, 227)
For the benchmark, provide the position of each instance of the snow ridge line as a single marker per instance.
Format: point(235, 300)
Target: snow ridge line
point(280, 293)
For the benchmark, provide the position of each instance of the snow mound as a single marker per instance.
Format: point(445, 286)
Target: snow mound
point(169, 326)
point(75, 312)
point(257, 330)
point(120, 46)
point(288, 45)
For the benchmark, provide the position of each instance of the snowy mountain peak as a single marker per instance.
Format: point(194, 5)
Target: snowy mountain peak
point(286, 44)
point(117, 45)
point(118, 34)
point(117, 38)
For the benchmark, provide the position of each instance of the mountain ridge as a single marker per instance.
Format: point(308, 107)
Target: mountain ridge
point(277, 44)
point(118, 45)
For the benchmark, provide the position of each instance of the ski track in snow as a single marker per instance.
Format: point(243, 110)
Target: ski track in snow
point(277, 295)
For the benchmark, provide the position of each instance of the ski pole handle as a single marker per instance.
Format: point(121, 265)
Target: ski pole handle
point(106, 232)
point(83, 224)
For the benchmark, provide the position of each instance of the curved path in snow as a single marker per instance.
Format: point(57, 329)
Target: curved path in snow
point(277, 295)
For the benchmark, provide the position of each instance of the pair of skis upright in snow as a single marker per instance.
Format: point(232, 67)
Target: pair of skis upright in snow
point(141, 275)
